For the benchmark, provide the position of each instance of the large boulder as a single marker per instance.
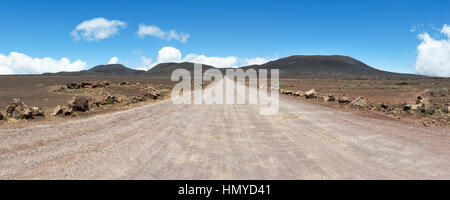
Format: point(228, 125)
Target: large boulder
point(328, 98)
point(57, 111)
point(311, 94)
point(360, 101)
point(18, 110)
point(78, 103)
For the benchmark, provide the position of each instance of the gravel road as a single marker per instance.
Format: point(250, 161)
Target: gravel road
point(168, 141)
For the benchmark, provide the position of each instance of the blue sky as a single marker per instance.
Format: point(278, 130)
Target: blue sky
point(378, 33)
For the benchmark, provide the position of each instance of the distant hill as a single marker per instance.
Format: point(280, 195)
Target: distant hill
point(105, 70)
point(166, 69)
point(323, 66)
point(293, 66)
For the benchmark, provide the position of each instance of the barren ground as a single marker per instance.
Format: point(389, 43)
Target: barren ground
point(167, 141)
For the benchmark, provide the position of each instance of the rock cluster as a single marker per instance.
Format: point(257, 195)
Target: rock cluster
point(83, 84)
point(19, 110)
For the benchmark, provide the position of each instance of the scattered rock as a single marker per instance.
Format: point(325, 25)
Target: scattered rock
point(73, 86)
point(407, 107)
point(57, 111)
point(36, 111)
point(328, 98)
point(2, 117)
point(78, 103)
point(446, 109)
point(298, 93)
point(418, 107)
point(124, 83)
point(18, 110)
point(384, 106)
point(68, 111)
point(428, 109)
point(343, 100)
point(85, 84)
point(311, 94)
point(152, 94)
point(137, 99)
point(110, 99)
point(97, 84)
point(287, 92)
point(360, 101)
point(420, 100)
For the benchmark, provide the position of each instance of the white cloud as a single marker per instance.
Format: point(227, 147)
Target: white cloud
point(19, 63)
point(146, 64)
point(150, 30)
point(171, 54)
point(219, 62)
point(113, 60)
point(433, 55)
point(97, 29)
point(256, 60)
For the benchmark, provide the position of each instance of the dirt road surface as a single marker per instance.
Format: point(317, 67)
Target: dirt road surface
point(168, 141)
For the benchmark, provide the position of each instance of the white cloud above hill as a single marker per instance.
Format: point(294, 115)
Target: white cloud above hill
point(172, 54)
point(113, 60)
point(19, 63)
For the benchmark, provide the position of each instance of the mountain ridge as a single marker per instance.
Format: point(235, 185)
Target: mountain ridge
point(292, 66)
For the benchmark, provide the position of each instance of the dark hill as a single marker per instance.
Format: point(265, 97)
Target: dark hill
point(166, 69)
point(107, 70)
point(323, 66)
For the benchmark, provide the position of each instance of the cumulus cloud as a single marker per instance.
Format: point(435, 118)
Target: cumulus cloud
point(154, 31)
point(171, 54)
point(146, 64)
point(19, 63)
point(113, 60)
point(433, 55)
point(97, 29)
point(256, 60)
point(219, 62)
